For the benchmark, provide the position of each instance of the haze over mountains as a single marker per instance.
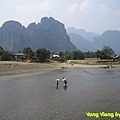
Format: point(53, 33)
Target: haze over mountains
point(92, 41)
point(51, 34)
point(84, 34)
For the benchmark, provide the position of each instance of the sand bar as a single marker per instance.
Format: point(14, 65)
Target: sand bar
point(11, 67)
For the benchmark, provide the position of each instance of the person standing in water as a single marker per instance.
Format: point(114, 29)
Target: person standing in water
point(65, 82)
point(57, 82)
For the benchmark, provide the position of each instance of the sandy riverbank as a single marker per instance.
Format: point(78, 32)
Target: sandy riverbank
point(10, 67)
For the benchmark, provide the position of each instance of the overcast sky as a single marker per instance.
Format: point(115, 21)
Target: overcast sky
point(91, 15)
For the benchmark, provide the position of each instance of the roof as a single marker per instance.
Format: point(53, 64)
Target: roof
point(117, 56)
point(20, 54)
point(55, 55)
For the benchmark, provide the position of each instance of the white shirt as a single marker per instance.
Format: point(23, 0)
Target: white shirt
point(64, 79)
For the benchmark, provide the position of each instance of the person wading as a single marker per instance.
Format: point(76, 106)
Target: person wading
point(65, 82)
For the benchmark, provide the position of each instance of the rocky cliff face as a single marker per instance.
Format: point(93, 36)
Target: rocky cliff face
point(49, 34)
point(12, 36)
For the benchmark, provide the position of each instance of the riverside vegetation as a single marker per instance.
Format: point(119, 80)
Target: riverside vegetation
point(44, 55)
point(45, 62)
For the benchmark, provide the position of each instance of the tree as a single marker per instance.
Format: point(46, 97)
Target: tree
point(1, 48)
point(43, 54)
point(1, 51)
point(6, 56)
point(68, 56)
point(78, 55)
point(74, 55)
point(28, 51)
point(61, 59)
point(89, 54)
point(61, 54)
point(104, 54)
point(98, 53)
point(109, 49)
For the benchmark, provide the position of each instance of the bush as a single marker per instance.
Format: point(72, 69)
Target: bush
point(6, 56)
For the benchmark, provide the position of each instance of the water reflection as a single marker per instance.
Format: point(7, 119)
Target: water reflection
point(65, 87)
point(57, 87)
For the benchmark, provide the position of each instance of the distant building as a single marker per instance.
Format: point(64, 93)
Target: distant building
point(33, 58)
point(117, 58)
point(19, 56)
point(55, 56)
point(111, 59)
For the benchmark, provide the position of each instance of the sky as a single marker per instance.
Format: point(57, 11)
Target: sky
point(91, 15)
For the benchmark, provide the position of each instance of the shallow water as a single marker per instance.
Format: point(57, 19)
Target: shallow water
point(35, 97)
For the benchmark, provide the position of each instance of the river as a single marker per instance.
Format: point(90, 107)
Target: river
point(35, 96)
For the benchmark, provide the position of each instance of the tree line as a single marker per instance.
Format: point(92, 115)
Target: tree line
point(44, 55)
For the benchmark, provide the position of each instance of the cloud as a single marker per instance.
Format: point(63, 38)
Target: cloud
point(117, 12)
point(102, 9)
point(72, 8)
point(35, 7)
point(33, 12)
point(86, 6)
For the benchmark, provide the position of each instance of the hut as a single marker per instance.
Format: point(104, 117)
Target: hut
point(19, 56)
point(117, 58)
point(33, 58)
